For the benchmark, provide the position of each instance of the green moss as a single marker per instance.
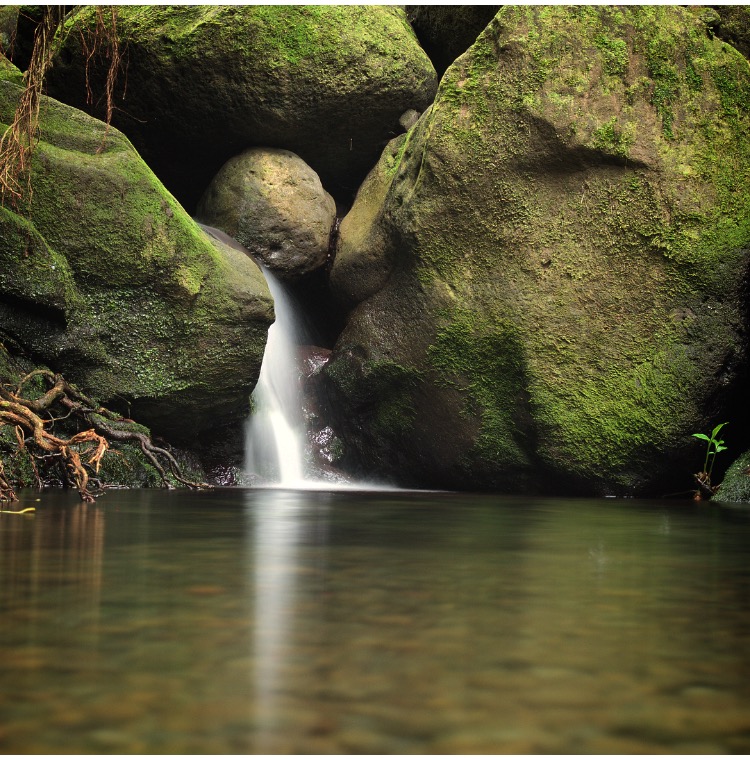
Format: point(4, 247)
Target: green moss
point(393, 386)
point(119, 288)
point(384, 386)
point(582, 288)
point(664, 74)
point(284, 35)
point(30, 269)
point(485, 360)
point(9, 72)
point(735, 487)
point(611, 139)
point(614, 54)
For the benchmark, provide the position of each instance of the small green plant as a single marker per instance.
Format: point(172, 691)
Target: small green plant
point(713, 446)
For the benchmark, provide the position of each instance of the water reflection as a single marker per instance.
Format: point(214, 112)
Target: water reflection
point(289, 622)
point(62, 553)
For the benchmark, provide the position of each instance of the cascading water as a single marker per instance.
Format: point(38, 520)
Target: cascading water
point(275, 433)
point(279, 448)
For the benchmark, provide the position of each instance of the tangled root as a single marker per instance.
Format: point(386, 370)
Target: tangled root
point(83, 450)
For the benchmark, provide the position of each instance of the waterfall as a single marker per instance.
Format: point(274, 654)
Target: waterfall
point(277, 441)
point(275, 433)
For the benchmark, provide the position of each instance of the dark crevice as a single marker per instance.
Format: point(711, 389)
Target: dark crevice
point(24, 308)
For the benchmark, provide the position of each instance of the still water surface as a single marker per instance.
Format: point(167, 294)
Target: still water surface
point(309, 622)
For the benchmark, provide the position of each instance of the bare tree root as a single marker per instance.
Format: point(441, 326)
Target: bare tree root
point(705, 489)
point(6, 490)
point(103, 37)
point(25, 415)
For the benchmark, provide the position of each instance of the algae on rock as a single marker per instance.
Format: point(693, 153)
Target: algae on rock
point(569, 235)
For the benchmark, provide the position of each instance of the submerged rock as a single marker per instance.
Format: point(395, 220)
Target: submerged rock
point(273, 204)
point(558, 254)
point(328, 82)
point(109, 281)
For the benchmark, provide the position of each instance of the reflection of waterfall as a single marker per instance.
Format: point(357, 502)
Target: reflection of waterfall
point(276, 535)
point(275, 435)
point(281, 523)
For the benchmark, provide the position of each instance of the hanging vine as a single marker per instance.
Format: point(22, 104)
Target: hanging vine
point(22, 135)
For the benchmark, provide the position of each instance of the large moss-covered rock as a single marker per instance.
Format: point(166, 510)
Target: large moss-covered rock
point(569, 232)
point(106, 279)
point(273, 203)
point(364, 248)
point(205, 82)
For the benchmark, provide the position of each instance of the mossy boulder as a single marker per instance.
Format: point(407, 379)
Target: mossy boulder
point(106, 279)
point(735, 487)
point(364, 246)
point(569, 230)
point(8, 71)
point(272, 203)
point(327, 82)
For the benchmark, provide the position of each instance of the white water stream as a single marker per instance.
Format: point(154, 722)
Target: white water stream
point(275, 434)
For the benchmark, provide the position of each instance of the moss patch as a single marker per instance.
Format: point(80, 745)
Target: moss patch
point(485, 360)
point(735, 487)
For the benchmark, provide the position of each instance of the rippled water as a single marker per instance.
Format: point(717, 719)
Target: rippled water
point(282, 622)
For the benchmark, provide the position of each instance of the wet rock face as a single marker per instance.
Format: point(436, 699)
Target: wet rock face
point(323, 445)
point(273, 204)
point(206, 82)
point(558, 253)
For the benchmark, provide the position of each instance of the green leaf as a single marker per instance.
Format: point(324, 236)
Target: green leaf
point(717, 428)
point(720, 448)
point(701, 436)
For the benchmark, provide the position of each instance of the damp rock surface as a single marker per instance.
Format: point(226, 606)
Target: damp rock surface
point(204, 82)
point(108, 281)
